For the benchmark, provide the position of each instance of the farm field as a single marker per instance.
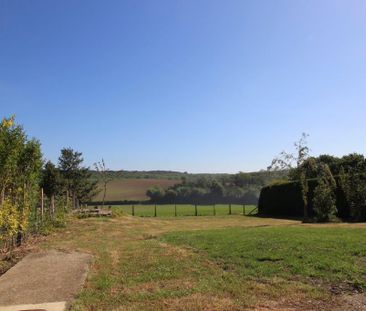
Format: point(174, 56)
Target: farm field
point(132, 189)
point(170, 210)
point(216, 263)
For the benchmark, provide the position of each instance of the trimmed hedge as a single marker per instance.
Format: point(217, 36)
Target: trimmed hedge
point(285, 200)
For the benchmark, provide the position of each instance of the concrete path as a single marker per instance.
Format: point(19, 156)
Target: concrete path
point(40, 278)
point(53, 306)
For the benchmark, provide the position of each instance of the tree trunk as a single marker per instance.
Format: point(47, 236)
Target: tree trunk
point(19, 238)
point(53, 205)
point(42, 204)
point(105, 192)
point(304, 192)
point(73, 200)
point(67, 199)
point(2, 196)
point(306, 216)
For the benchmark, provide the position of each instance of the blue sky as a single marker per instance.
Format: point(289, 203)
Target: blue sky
point(189, 85)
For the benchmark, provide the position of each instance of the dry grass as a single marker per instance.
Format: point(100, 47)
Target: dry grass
point(134, 270)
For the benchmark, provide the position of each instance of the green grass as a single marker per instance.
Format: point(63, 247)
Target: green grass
point(214, 263)
point(168, 210)
point(133, 270)
point(333, 256)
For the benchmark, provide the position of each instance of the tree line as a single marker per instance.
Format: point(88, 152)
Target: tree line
point(242, 188)
point(35, 194)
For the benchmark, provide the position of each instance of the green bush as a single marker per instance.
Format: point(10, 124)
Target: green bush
point(324, 202)
point(285, 199)
point(353, 188)
point(282, 199)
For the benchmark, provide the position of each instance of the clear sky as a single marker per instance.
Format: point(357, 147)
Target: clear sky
point(189, 85)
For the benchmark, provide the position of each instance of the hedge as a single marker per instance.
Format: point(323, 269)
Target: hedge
point(285, 200)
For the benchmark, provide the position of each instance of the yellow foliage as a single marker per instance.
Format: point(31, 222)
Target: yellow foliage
point(9, 220)
point(8, 122)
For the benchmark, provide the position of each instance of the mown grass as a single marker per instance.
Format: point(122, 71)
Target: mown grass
point(208, 263)
point(333, 256)
point(169, 210)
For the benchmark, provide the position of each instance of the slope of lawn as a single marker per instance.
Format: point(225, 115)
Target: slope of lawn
point(333, 256)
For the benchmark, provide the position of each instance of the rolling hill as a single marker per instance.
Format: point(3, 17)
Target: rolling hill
point(132, 189)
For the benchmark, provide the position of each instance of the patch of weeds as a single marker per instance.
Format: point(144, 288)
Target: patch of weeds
point(103, 281)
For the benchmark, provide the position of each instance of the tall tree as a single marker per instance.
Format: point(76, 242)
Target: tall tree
point(51, 184)
point(77, 179)
point(353, 186)
point(324, 194)
point(20, 166)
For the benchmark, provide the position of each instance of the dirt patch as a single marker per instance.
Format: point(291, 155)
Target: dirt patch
point(44, 277)
point(355, 302)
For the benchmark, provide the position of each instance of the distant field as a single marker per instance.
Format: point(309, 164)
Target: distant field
point(168, 210)
point(132, 189)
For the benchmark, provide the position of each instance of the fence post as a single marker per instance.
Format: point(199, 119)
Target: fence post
point(155, 211)
point(214, 210)
point(133, 210)
point(175, 210)
point(230, 209)
point(243, 209)
point(195, 210)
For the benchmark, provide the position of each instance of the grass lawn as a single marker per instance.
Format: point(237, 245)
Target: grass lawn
point(168, 210)
point(334, 256)
point(212, 263)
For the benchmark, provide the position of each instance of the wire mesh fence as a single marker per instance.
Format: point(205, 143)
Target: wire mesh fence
point(177, 210)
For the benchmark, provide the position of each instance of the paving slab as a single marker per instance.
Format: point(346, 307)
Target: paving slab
point(53, 306)
point(44, 277)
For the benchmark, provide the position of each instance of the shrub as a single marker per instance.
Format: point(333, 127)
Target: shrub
point(9, 220)
point(324, 202)
point(353, 187)
point(282, 200)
